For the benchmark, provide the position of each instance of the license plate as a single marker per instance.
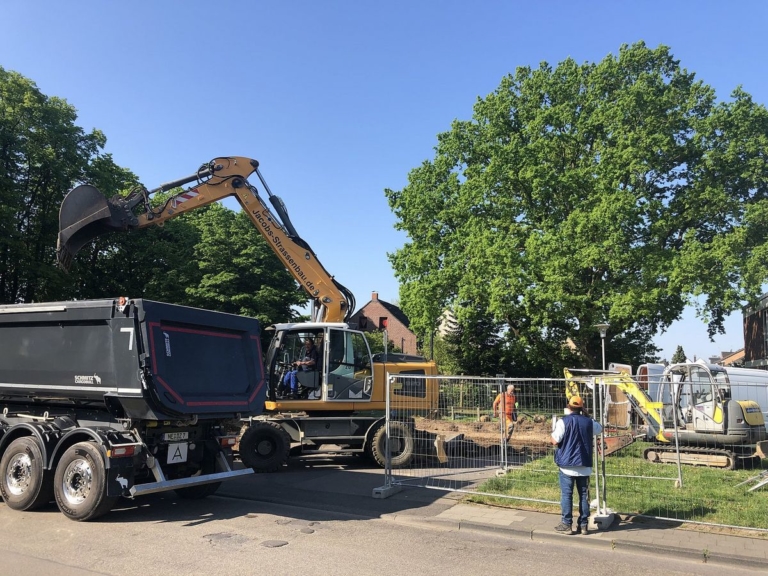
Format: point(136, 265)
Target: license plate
point(177, 452)
point(175, 436)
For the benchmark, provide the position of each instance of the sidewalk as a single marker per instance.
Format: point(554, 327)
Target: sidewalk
point(638, 534)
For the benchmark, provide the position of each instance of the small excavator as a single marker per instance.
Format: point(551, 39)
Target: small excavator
point(693, 408)
point(341, 403)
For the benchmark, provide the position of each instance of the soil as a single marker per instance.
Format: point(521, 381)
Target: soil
point(529, 432)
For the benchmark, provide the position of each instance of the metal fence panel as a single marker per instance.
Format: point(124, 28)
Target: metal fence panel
point(460, 443)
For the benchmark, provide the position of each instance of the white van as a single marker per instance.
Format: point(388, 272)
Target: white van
point(749, 384)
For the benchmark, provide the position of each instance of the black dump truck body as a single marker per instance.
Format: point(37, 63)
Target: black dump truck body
point(109, 398)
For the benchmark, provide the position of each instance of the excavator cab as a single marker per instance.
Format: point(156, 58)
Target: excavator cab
point(343, 372)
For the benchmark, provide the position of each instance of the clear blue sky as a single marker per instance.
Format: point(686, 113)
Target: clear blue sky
point(339, 100)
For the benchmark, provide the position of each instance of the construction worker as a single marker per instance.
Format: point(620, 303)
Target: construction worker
point(573, 436)
point(507, 400)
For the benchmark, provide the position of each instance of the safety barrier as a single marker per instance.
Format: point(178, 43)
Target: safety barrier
point(457, 444)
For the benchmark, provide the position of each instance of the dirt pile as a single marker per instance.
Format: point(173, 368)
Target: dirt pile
point(529, 432)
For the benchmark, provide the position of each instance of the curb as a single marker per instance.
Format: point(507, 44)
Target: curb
point(703, 556)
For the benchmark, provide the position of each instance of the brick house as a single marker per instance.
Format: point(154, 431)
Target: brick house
point(380, 315)
point(756, 334)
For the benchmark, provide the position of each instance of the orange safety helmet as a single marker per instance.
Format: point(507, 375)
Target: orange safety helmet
point(575, 402)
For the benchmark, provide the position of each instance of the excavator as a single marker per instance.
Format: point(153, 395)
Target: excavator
point(340, 405)
point(692, 409)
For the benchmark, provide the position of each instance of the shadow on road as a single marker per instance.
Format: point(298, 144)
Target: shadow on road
point(316, 489)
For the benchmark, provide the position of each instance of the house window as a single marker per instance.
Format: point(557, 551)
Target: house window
point(382, 322)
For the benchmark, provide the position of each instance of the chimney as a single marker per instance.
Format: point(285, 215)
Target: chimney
point(374, 296)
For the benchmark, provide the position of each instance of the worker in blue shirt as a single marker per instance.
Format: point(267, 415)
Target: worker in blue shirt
point(573, 435)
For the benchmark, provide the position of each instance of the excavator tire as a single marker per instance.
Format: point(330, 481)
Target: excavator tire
point(400, 444)
point(265, 447)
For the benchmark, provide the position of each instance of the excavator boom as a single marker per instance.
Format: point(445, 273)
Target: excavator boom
point(86, 214)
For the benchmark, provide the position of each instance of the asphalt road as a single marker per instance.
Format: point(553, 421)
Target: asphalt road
point(316, 518)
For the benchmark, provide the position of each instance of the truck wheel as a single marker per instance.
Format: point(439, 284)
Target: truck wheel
point(265, 447)
point(80, 483)
point(203, 490)
point(400, 444)
point(25, 484)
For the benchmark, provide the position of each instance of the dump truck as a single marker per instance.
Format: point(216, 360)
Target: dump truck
point(339, 405)
point(120, 397)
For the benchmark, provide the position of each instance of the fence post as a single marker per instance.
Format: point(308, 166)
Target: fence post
point(388, 489)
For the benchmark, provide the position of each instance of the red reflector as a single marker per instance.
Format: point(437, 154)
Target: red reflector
point(123, 451)
point(228, 440)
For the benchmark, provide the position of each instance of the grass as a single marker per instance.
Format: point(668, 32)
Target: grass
point(635, 486)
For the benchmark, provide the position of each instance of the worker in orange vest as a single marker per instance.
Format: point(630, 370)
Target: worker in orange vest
point(507, 400)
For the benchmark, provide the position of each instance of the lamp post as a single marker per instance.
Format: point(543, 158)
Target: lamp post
point(603, 327)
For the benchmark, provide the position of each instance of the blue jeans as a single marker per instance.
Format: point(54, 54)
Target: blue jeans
point(566, 498)
point(290, 381)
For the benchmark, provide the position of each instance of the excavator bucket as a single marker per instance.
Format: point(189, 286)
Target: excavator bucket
point(761, 449)
point(615, 443)
point(85, 214)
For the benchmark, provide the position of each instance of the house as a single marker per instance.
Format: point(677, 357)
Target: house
point(756, 334)
point(729, 358)
point(380, 315)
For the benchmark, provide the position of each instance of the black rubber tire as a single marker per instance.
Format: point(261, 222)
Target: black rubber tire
point(80, 483)
point(25, 484)
point(401, 444)
point(265, 447)
point(203, 490)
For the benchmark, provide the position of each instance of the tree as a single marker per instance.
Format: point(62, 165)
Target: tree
point(619, 191)
point(679, 356)
point(240, 273)
point(376, 342)
point(43, 153)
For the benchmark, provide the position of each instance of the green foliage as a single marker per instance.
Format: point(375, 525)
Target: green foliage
point(445, 356)
point(679, 356)
point(376, 342)
point(43, 154)
point(240, 273)
point(618, 191)
point(476, 346)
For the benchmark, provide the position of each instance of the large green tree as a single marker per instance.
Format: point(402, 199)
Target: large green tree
point(43, 153)
point(239, 272)
point(617, 191)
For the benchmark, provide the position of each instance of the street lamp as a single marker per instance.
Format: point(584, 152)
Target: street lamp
point(603, 331)
point(601, 393)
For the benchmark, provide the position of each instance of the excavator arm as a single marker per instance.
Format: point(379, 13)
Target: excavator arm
point(648, 410)
point(86, 214)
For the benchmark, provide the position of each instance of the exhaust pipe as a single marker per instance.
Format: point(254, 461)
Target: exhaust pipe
point(86, 214)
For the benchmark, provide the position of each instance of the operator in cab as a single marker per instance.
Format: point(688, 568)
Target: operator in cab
point(307, 363)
